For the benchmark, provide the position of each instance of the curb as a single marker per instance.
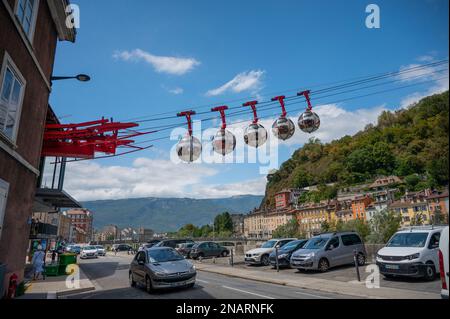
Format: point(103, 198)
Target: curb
point(74, 291)
point(424, 295)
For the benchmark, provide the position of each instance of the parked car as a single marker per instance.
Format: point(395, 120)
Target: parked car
point(121, 247)
point(411, 253)
point(89, 252)
point(285, 253)
point(443, 262)
point(75, 249)
point(208, 249)
point(329, 250)
point(185, 249)
point(172, 243)
point(101, 251)
point(260, 256)
point(161, 267)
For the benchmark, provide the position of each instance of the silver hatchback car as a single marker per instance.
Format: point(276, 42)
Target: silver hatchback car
point(161, 267)
point(329, 250)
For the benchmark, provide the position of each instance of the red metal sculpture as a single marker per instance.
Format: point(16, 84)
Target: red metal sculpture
point(83, 140)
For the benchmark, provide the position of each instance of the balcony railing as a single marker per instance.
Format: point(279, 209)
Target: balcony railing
point(42, 230)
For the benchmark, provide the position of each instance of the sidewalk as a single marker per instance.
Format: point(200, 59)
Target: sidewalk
point(53, 287)
point(351, 288)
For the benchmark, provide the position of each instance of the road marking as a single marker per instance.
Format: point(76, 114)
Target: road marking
point(312, 295)
point(51, 295)
point(248, 292)
point(203, 281)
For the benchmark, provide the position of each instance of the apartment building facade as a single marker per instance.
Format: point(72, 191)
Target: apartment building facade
point(29, 31)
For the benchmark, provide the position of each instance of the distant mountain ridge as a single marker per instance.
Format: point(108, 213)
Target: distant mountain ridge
point(167, 214)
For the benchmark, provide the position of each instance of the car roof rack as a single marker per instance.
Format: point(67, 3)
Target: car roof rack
point(423, 227)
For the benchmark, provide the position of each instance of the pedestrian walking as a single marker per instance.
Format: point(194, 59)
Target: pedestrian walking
point(38, 262)
point(53, 256)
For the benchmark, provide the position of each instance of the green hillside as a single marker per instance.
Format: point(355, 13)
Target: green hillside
point(406, 142)
point(166, 214)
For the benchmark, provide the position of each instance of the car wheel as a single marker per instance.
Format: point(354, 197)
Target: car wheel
point(148, 284)
point(224, 253)
point(200, 256)
point(265, 260)
point(190, 286)
point(361, 260)
point(430, 271)
point(324, 265)
point(132, 282)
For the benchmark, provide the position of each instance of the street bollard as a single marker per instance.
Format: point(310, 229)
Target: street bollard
point(276, 259)
point(232, 257)
point(355, 258)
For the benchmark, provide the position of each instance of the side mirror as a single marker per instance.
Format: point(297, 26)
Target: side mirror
point(331, 247)
point(141, 262)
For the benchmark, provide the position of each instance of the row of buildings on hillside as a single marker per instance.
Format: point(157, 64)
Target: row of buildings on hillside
point(362, 202)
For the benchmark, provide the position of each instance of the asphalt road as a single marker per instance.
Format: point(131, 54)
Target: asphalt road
point(110, 276)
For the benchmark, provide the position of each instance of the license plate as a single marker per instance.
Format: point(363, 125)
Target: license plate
point(177, 284)
point(394, 267)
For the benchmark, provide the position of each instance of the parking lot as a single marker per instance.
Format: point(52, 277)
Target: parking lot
point(342, 273)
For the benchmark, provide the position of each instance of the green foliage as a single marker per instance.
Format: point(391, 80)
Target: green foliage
point(223, 223)
point(405, 142)
point(383, 225)
point(289, 230)
point(438, 217)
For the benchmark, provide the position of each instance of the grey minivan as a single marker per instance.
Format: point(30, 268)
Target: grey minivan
point(329, 250)
point(161, 267)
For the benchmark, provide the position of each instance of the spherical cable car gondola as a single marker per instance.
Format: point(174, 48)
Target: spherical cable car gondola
point(189, 148)
point(255, 134)
point(283, 128)
point(309, 121)
point(224, 142)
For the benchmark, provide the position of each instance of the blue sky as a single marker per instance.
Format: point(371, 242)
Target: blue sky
point(149, 57)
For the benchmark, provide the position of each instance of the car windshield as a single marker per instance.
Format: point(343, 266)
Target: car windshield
point(408, 240)
point(316, 243)
point(269, 244)
point(163, 255)
point(89, 248)
point(291, 245)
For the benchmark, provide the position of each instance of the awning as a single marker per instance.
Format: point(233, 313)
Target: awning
point(51, 199)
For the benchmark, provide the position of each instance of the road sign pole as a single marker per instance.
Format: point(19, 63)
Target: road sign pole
point(355, 257)
point(276, 259)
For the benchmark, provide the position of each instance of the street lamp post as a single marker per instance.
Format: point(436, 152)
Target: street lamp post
point(79, 77)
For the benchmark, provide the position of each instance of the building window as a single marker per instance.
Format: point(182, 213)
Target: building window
point(26, 14)
point(12, 87)
point(4, 186)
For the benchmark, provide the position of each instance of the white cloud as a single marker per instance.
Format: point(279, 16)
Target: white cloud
point(245, 81)
point(437, 75)
point(161, 64)
point(89, 180)
point(174, 91)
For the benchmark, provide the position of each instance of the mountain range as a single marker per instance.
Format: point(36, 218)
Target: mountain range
point(167, 214)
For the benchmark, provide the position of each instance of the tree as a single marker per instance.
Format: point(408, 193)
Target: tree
point(383, 225)
point(223, 222)
point(325, 227)
point(412, 181)
point(438, 217)
point(358, 225)
point(289, 230)
point(301, 179)
point(418, 220)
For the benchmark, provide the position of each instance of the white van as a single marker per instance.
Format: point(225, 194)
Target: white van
point(412, 252)
point(443, 262)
